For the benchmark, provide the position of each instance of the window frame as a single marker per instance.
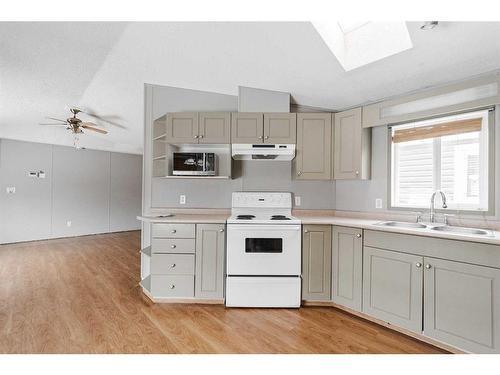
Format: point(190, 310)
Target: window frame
point(491, 167)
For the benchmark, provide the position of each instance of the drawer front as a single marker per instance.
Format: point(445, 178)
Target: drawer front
point(179, 286)
point(174, 230)
point(173, 245)
point(172, 264)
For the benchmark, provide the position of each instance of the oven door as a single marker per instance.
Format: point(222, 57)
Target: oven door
point(255, 250)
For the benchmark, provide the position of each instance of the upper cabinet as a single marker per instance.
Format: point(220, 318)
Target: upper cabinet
point(247, 128)
point(280, 128)
point(182, 127)
point(194, 127)
point(352, 146)
point(269, 128)
point(214, 127)
point(313, 160)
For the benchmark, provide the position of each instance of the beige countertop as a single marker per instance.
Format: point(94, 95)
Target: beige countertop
point(328, 219)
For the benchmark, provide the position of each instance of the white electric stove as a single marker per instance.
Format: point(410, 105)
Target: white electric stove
point(263, 251)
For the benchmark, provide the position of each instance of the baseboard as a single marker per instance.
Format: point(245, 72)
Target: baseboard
point(404, 331)
point(193, 300)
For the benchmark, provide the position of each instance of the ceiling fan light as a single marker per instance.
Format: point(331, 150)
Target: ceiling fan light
point(429, 25)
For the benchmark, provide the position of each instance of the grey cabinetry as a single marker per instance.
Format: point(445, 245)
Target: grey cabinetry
point(214, 127)
point(462, 305)
point(182, 127)
point(316, 262)
point(347, 267)
point(280, 128)
point(392, 287)
point(247, 128)
point(352, 146)
point(209, 276)
point(313, 160)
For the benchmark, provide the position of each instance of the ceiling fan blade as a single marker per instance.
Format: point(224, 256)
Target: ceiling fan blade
point(94, 129)
point(52, 123)
point(56, 119)
point(106, 119)
point(86, 123)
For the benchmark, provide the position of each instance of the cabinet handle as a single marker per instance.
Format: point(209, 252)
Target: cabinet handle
point(418, 264)
point(428, 266)
point(172, 286)
point(260, 137)
point(266, 137)
point(200, 136)
point(357, 173)
point(174, 231)
point(221, 230)
point(299, 173)
point(173, 246)
point(195, 137)
point(306, 231)
point(173, 265)
point(358, 235)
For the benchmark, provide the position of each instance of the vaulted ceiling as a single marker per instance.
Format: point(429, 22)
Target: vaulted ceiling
point(46, 67)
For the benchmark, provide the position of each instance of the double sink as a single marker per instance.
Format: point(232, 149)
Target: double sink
point(437, 227)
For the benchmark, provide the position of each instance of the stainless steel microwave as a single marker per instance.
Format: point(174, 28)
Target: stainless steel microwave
point(194, 164)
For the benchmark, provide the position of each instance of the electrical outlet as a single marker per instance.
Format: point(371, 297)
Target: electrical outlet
point(297, 200)
point(182, 199)
point(68, 223)
point(378, 203)
point(11, 190)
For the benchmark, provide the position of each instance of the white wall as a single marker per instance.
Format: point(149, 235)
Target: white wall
point(97, 191)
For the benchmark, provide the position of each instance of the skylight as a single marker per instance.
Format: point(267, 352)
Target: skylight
point(356, 43)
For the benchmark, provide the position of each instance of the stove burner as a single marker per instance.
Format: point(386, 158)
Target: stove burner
point(245, 217)
point(279, 217)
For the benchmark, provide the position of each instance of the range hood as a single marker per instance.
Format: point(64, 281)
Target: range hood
point(279, 152)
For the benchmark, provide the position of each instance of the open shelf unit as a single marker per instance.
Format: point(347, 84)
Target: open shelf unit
point(162, 157)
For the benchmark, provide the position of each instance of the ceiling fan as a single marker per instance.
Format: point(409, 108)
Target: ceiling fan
point(75, 124)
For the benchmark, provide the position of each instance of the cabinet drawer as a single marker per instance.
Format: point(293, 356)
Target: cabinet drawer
point(180, 286)
point(174, 230)
point(173, 245)
point(172, 264)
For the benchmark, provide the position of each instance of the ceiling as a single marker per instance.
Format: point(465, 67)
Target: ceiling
point(46, 67)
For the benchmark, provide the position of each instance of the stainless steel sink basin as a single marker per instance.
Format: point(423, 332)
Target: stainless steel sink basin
point(401, 224)
point(460, 230)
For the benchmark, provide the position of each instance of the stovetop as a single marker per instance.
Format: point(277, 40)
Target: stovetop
point(262, 218)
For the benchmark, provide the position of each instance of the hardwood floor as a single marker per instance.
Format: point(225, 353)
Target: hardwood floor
point(81, 295)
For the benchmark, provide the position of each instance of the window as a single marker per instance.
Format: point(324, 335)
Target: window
point(448, 154)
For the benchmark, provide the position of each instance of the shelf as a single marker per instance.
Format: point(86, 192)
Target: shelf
point(146, 251)
point(146, 283)
point(196, 177)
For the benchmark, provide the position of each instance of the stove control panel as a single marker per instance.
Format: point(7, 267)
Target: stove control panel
point(261, 200)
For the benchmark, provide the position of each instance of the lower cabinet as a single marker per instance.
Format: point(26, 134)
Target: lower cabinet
point(316, 262)
point(347, 267)
point(462, 305)
point(392, 287)
point(209, 275)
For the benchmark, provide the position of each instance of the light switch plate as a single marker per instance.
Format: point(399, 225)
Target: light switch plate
point(182, 199)
point(297, 200)
point(10, 190)
point(68, 223)
point(378, 203)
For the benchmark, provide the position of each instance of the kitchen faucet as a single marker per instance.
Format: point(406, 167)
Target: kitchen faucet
point(432, 214)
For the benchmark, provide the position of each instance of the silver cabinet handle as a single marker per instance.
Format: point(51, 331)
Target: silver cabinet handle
point(306, 231)
point(358, 235)
point(221, 230)
point(418, 264)
point(266, 137)
point(172, 286)
point(195, 137)
point(174, 231)
point(200, 136)
point(260, 137)
point(357, 172)
point(173, 265)
point(299, 173)
point(173, 246)
point(428, 266)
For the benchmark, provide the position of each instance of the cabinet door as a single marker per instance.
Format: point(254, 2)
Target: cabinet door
point(392, 287)
point(316, 262)
point(209, 277)
point(280, 128)
point(214, 127)
point(314, 146)
point(247, 128)
point(348, 145)
point(462, 305)
point(182, 127)
point(347, 267)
